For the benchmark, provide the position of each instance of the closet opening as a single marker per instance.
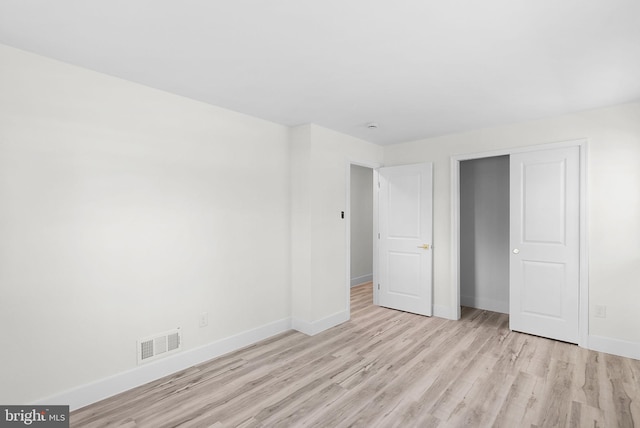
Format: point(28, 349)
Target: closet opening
point(484, 233)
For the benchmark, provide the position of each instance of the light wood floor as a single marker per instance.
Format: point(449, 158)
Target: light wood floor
point(390, 369)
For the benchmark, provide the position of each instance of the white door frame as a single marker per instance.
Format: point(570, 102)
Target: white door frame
point(583, 306)
point(374, 166)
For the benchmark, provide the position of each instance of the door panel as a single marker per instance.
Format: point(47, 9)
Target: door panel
point(544, 198)
point(544, 267)
point(405, 226)
point(542, 288)
point(405, 268)
point(404, 200)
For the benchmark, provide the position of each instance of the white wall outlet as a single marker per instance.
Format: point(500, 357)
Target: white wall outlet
point(600, 311)
point(203, 319)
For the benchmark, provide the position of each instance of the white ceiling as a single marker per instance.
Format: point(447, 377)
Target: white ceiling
point(417, 68)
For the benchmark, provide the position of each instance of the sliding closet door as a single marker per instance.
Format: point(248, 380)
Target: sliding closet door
point(545, 245)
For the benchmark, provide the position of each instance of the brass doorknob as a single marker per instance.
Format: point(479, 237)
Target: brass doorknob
point(424, 246)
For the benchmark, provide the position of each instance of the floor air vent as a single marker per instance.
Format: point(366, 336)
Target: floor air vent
point(159, 345)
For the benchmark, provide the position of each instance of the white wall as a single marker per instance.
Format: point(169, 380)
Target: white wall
point(361, 224)
point(127, 211)
point(319, 159)
point(484, 233)
point(301, 230)
point(613, 204)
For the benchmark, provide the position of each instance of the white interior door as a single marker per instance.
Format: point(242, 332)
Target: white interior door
point(405, 227)
point(545, 246)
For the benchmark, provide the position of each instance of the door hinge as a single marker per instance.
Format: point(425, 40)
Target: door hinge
point(378, 236)
point(378, 286)
point(378, 184)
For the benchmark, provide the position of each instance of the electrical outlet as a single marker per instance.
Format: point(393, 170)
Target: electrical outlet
point(600, 311)
point(203, 319)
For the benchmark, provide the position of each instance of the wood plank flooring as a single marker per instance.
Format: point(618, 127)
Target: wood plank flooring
point(386, 368)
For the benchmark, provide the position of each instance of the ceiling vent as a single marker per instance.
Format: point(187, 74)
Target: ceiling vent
point(159, 345)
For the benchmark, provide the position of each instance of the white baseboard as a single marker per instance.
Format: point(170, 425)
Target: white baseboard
point(485, 304)
point(315, 327)
point(618, 347)
point(104, 388)
point(361, 279)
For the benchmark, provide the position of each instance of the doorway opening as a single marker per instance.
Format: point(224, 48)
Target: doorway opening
point(484, 233)
point(361, 221)
point(401, 231)
point(361, 227)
